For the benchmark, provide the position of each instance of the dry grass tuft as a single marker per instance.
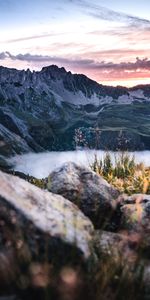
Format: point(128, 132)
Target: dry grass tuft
point(125, 174)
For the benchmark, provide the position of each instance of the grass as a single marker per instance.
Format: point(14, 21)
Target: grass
point(134, 118)
point(124, 173)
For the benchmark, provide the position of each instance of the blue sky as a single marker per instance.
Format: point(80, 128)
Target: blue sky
point(106, 40)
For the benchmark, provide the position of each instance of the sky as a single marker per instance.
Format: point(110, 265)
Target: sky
point(107, 40)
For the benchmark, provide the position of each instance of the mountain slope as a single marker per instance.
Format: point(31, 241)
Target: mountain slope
point(41, 111)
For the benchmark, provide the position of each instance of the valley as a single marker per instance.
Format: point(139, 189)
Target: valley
point(42, 110)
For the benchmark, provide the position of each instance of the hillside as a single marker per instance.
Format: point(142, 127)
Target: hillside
point(41, 111)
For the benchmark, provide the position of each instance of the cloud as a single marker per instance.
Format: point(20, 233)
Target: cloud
point(138, 64)
point(100, 71)
point(124, 31)
point(43, 58)
point(104, 13)
point(117, 54)
point(127, 35)
point(3, 55)
point(27, 38)
point(86, 63)
point(33, 37)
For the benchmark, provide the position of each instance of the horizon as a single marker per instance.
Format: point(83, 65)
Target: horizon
point(47, 66)
point(108, 41)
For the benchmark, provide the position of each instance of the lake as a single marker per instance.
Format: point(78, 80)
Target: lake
point(41, 164)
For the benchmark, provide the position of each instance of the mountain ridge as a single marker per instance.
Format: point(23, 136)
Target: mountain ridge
point(69, 72)
point(42, 110)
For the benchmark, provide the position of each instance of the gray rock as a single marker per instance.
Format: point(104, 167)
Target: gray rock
point(38, 231)
point(11, 143)
point(4, 164)
point(89, 191)
point(118, 247)
point(23, 205)
point(135, 213)
point(123, 271)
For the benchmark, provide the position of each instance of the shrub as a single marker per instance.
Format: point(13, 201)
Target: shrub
point(124, 173)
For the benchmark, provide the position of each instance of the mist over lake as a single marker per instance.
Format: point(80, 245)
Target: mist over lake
point(41, 164)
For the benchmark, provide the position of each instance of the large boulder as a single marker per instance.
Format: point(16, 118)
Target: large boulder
point(89, 191)
point(38, 227)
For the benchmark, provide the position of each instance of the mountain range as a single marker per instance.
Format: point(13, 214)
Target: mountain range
point(53, 109)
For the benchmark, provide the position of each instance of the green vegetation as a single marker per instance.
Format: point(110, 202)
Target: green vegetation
point(134, 118)
point(124, 173)
point(41, 183)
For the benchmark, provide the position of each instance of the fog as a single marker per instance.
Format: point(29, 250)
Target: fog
point(41, 164)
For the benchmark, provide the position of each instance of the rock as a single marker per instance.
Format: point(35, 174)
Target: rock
point(38, 226)
point(89, 191)
point(4, 164)
point(123, 271)
point(135, 213)
point(11, 143)
point(116, 246)
point(49, 213)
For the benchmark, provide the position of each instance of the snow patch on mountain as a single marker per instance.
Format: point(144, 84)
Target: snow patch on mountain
point(138, 94)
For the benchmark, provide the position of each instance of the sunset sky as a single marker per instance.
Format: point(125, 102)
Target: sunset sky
point(107, 40)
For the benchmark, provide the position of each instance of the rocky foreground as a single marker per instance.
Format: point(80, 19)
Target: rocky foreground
point(78, 239)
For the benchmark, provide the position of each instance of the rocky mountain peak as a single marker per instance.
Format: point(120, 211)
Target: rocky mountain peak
point(42, 110)
point(54, 72)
